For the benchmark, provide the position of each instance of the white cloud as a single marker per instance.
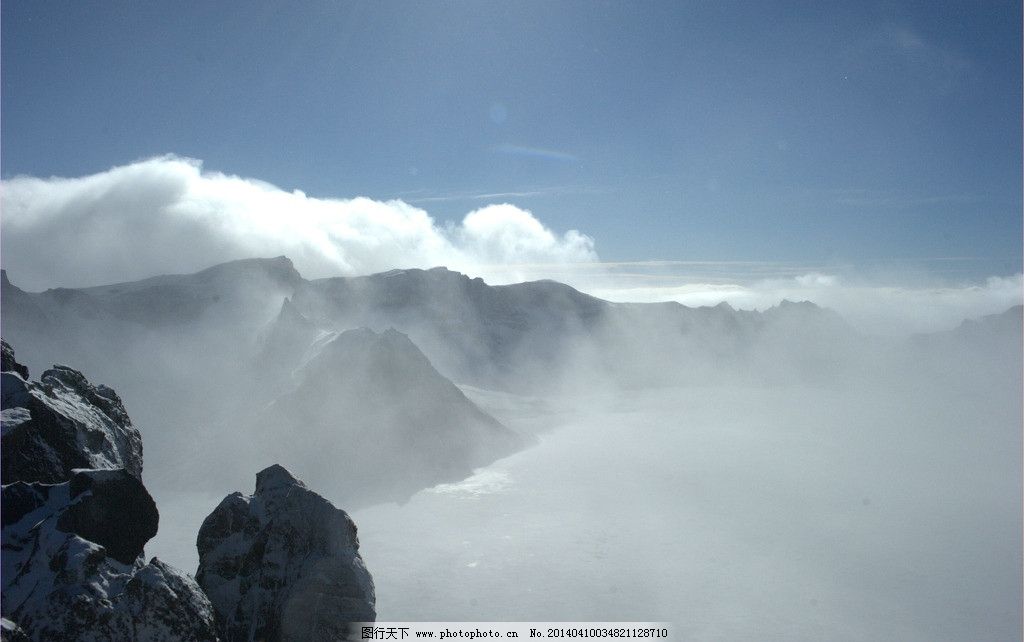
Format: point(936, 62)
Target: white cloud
point(870, 307)
point(815, 279)
point(505, 234)
point(166, 215)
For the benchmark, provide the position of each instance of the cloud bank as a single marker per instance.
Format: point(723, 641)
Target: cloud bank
point(166, 215)
point(892, 310)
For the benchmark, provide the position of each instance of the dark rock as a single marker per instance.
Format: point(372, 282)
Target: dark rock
point(11, 632)
point(156, 594)
point(8, 362)
point(73, 566)
point(60, 423)
point(20, 499)
point(283, 564)
point(115, 511)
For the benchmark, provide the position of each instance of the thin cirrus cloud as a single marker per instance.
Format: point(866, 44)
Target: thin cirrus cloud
point(554, 190)
point(472, 196)
point(509, 149)
point(166, 215)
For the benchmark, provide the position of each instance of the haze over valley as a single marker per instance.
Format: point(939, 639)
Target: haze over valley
point(530, 452)
point(708, 316)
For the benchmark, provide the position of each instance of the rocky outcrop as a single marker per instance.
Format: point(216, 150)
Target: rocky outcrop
point(9, 363)
point(283, 565)
point(60, 423)
point(11, 632)
point(73, 566)
point(76, 517)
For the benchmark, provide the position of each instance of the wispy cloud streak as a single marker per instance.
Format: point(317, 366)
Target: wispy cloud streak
point(535, 152)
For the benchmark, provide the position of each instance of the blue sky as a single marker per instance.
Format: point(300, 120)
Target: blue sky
point(800, 131)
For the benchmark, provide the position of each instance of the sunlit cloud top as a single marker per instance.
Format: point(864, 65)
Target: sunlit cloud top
point(167, 215)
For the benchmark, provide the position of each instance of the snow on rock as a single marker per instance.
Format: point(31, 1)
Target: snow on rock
point(283, 564)
point(9, 362)
point(72, 564)
point(11, 632)
point(76, 517)
point(60, 423)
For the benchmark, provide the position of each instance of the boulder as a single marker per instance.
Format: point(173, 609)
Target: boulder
point(73, 567)
point(283, 565)
point(112, 509)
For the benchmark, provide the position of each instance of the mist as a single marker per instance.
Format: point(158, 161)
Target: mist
point(696, 313)
point(170, 215)
point(765, 450)
point(874, 498)
point(530, 452)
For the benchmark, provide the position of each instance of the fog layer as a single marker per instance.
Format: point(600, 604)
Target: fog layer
point(780, 513)
point(743, 474)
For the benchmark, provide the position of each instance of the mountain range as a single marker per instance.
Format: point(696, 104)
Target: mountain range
point(351, 381)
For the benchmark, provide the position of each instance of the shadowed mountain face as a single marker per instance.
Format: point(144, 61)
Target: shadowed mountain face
point(372, 405)
point(541, 336)
point(227, 374)
point(520, 337)
point(474, 333)
point(175, 347)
